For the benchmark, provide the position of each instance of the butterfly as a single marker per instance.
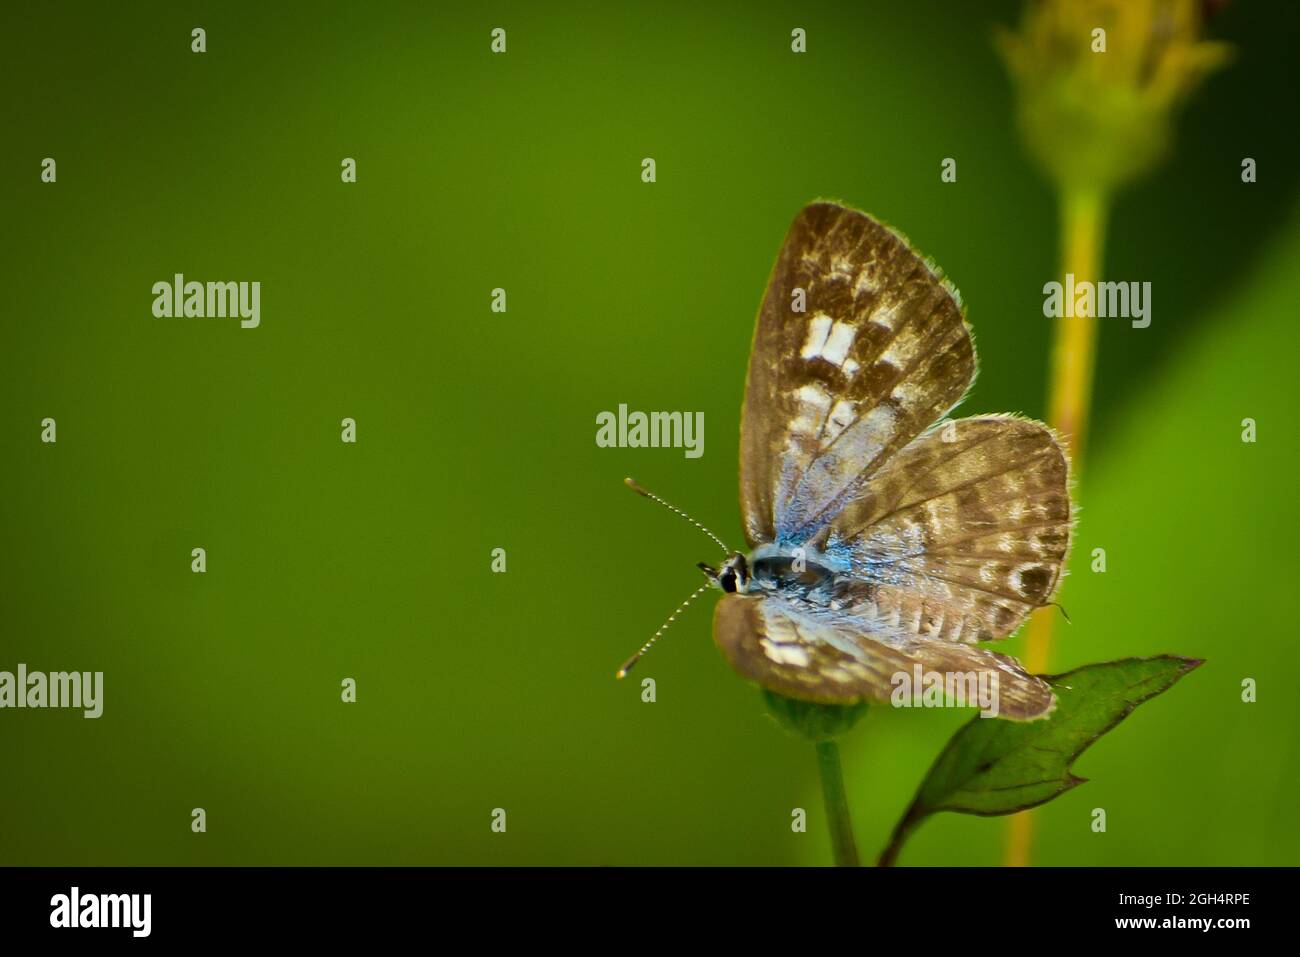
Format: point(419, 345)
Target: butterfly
point(883, 536)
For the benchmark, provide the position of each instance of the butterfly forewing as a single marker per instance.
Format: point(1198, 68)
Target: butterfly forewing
point(859, 346)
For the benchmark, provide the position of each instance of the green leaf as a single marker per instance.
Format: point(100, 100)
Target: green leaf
point(997, 766)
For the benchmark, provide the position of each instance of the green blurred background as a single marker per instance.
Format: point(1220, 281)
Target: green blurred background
point(476, 430)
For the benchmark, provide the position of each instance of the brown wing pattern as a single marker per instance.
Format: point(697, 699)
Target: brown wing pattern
point(805, 654)
point(878, 353)
point(963, 533)
point(938, 539)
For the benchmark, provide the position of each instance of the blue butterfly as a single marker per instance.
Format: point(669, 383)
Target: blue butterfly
point(882, 536)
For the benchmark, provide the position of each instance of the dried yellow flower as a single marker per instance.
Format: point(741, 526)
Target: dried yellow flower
point(1098, 82)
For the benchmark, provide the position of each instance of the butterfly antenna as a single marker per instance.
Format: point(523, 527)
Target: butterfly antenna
point(631, 483)
point(627, 665)
point(1061, 608)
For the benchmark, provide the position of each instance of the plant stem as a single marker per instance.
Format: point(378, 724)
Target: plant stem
point(837, 806)
point(889, 856)
point(1083, 233)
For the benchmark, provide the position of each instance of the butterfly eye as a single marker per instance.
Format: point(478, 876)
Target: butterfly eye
point(727, 579)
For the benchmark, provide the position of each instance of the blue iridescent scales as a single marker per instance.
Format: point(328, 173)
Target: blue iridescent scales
point(882, 537)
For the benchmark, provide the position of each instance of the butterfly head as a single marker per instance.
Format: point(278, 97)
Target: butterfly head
point(733, 576)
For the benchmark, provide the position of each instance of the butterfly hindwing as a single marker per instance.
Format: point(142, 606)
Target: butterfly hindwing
point(859, 347)
point(815, 655)
point(961, 534)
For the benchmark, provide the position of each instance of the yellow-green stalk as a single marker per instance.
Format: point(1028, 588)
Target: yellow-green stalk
point(1097, 85)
